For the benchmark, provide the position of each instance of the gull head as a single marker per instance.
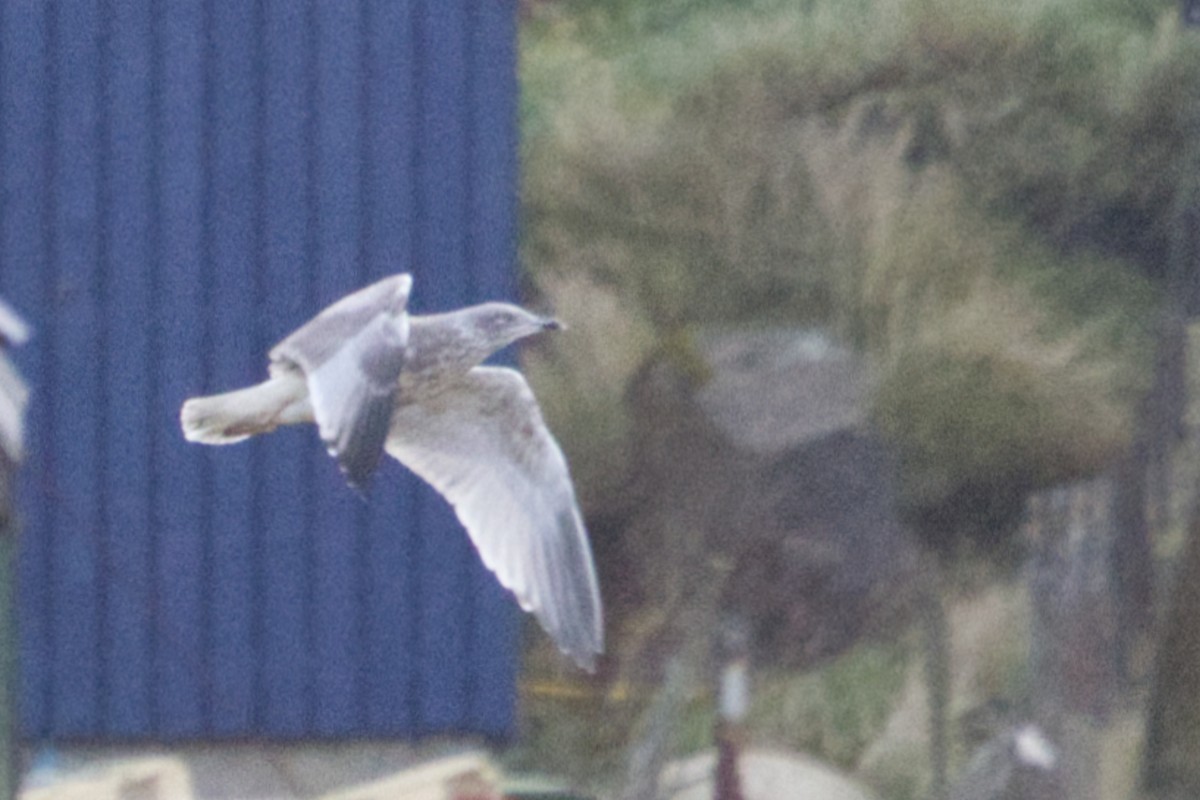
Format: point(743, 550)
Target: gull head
point(501, 324)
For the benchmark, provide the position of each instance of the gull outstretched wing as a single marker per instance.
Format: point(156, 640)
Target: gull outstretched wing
point(483, 445)
point(351, 354)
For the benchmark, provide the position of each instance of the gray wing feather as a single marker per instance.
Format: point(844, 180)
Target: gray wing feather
point(14, 395)
point(315, 342)
point(484, 447)
point(13, 329)
point(353, 395)
point(352, 354)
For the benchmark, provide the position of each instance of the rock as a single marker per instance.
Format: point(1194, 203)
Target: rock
point(786, 502)
point(774, 390)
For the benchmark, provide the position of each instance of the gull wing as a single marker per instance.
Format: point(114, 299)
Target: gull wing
point(13, 329)
point(314, 342)
point(483, 445)
point(14, 394)
point(351, 354)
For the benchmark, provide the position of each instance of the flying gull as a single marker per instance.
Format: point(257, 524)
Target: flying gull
point(376, 379)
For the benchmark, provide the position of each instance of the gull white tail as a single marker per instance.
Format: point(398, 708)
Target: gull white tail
point(233, 416)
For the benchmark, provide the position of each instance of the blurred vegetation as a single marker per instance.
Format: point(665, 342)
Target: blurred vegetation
point(979, 196)
point(837, 710)
point(982, 190)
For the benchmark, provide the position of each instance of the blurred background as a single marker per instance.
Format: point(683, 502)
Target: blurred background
point(873, 300)
point(877, 392)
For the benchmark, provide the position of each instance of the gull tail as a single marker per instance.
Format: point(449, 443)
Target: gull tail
point(234, 416)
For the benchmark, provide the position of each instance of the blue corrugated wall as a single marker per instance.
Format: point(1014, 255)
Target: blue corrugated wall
point(184, 183)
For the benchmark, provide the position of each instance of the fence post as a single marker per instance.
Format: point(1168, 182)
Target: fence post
point(733, 704)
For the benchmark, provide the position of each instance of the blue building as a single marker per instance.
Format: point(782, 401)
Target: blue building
point(183, 183)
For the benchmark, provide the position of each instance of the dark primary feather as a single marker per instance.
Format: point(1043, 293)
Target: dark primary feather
point(352, 354)
point(353, 395)
point(360, 440)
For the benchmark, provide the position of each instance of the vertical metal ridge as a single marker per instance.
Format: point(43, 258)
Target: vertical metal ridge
point(312, 261)
point(362, 511)
point(207, 300)
point(368, 202)
point(464, 568)
point(417, 247)
point(411, 566)
point(178, 195)
point(156, 352)
point(102, 289)
point(365, 209)
point(471, 116)
point(258, 461)
point(53, 277)
point(50, 355)
point(473, 286)
point(366, 198)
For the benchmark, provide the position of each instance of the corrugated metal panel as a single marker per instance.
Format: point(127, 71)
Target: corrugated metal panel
point(183, 183)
